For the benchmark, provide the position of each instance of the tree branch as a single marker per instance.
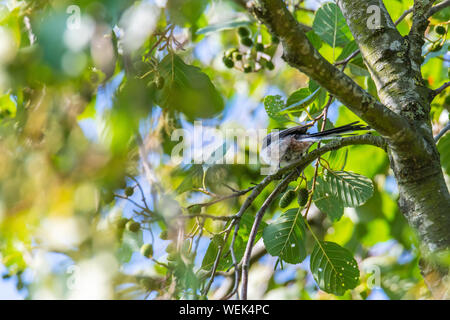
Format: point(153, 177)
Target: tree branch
point(443, 131)
point(300, 53)
point(300, 165)
point(256, 223)
point(418, 28)
point(439, 90)
point(438, 7)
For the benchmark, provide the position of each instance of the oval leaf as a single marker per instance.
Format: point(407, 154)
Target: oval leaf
point(351, 188)
point(285, 236)
point(326, 201)
point(333, 267)
point(330, 25)
point(273, 106)
point(188, 89)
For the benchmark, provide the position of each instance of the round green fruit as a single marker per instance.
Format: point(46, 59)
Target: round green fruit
point(259, 47)
point(121, 223)
point(269, 65)
point(287, 198)
point(164, 235)
point(133, 226)
point(247, 42)
point(129, 191)
point(440, 30)
point(237, 56)
point(230, 52)
point(147, 250)
point(228, 62)
point(243, 32)
point(302, 198)
point(247, 68)
point(159, 82)
point(171, 248)
point(108, 197)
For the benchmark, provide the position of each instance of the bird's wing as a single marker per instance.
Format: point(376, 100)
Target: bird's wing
point(295, 130)
point(286, 132)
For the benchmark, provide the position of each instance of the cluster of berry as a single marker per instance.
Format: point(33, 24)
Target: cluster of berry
point(253, 57)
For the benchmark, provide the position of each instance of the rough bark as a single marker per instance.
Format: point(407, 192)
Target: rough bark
point(402, 116)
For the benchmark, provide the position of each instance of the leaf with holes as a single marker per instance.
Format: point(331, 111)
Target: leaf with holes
point(300, 99)
point(330, 25)
point(326, 201)
point(351, 188)
point(273, 106)
point(334, 268)
point(285, 237)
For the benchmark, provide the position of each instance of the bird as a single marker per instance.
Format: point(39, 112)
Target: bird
point(286, 146)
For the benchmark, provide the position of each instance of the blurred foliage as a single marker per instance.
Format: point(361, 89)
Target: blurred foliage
point(90, 97)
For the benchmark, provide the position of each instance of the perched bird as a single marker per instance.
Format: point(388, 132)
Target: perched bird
point(285, 146)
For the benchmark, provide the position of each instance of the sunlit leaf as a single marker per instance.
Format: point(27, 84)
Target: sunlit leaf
point(285, 237)
point(351, 188)
point(188, 89)
point(334, 268)
point(326, 201)
point(330, 25)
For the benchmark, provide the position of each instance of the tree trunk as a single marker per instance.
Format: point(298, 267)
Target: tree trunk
point(402, 117)
point(394, 63)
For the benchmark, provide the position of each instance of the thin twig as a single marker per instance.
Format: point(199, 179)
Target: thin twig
point(439, 90)
point(443, 131)
point(134, 202)
point(256, 223)
point(233, 195)
point(141, 190)
point(438, 7)
point(204, 216)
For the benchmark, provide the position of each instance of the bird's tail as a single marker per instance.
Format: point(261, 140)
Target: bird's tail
point(337, 132)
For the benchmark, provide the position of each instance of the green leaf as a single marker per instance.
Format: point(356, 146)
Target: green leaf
point(300, 99)
point(349, 48)
point(334, 268)
point(330, 25)
point(223, 26)
point(193, 179)
point(131, 242)
point(315, 40)
point(358, 68)
point(321, 99)
point(273, 106)
point(218, 155)
point(351, 188)
point(184, 12)
point(188, 89)
point(326, 201)
point(7, 106)
point(444, 149)
point(285, 237)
